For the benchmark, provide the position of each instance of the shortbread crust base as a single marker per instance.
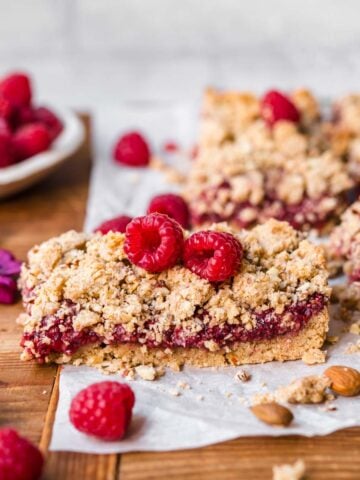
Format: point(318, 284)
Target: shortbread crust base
point(282, 348)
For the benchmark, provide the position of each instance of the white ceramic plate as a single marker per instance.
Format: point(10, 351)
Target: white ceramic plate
point(17, 177)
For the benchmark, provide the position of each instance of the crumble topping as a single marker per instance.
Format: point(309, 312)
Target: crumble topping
point(91, 282)
point(226, 115)
point(245, 172)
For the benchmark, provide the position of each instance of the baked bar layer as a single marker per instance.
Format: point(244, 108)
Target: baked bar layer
point(344, 244)
point(82, 290)
point(246, 172)
point(287, 347)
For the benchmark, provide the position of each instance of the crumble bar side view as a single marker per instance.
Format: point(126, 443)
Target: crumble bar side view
point(86, 303)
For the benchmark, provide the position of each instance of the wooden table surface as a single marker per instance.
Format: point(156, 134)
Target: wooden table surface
point(28, 392)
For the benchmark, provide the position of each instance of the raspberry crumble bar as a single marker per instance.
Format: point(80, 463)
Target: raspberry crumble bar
point(344, 244)
point(150, 296)
point(266, 158)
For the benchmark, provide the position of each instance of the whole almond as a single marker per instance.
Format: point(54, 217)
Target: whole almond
point(273, 414)
point(344, 380)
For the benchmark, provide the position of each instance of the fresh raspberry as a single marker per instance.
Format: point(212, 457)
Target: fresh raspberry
point(6, 151)
point(275, 106)
point(23, 116)
point(19, 459)
point(154, 242)
point(7, 110)
point(171, 205)
point(50, 120)
point(103, 410)
point(215, 256)
point(30, 140)
point(16, 89)
point(117, 224)
point(132, 150)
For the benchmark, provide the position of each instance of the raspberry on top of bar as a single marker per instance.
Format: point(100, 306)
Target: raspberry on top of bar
point(82, 290)
point(248, 170)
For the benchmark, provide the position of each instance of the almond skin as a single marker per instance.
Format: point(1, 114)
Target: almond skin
point(344, 380)
point(273, 414)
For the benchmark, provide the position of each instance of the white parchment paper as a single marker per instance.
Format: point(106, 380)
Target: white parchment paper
point(214, 407)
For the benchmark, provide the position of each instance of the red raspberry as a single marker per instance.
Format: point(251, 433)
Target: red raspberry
point(215, 256)
point(171, 205)
point(154, 242)
point(50, 120)
point(103, 410)
point(19, 459)
point(275, 106)
point(117, 224)
point(7, 110)
point(16, 89)
point(30, 140)
point(6, 151)
point(132, 150)
point(23, 116)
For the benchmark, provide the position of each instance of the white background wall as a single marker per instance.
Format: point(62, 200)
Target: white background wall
point(87, 53)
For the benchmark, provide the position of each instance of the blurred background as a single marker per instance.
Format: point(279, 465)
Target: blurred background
point(89, 53)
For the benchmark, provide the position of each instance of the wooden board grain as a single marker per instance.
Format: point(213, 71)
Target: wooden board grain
point(28, 392)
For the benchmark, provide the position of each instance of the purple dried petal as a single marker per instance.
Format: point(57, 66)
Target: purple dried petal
point(8, 290)
point(8, 263)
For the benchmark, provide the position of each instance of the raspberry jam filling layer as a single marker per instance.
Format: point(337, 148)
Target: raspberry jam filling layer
point(56, 335)
point(307, 213)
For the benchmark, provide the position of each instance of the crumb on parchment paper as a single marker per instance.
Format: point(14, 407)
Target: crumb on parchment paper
point(147, 372)
point(294, 471)
point(306, 390)
point(314, 356)
point(242, 375)
point(353, 348)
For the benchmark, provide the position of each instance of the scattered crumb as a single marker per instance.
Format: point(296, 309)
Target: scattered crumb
point(328, 407)
point(263, 384)
point(289, 472)
point(174, 392)
point(355, 328)
point(183, 385)
point(332, 339)
point(129, 373)
point(228, 394)
point(310, 389)
point(146, 372)
point(353, 348)
point(304, 390)
point(242, 376)
point(313, 356)
point(199, 397)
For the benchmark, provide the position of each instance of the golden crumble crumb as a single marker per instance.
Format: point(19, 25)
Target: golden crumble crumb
point(314, 356)
point(353, 348)
point(355, 328)
point(183, 385)
point(174, 392)
point(242, 375)
point(304, 390)
point(146, 372)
